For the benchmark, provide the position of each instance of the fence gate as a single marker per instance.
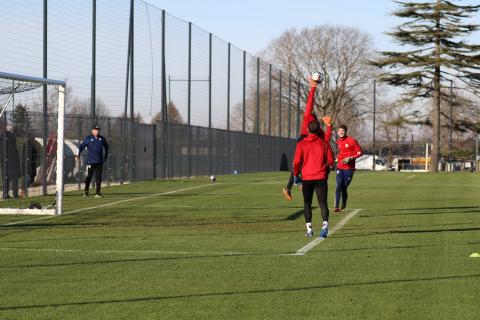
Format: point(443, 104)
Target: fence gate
point(144, 152)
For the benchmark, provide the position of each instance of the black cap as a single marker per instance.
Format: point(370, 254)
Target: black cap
point(96, 126)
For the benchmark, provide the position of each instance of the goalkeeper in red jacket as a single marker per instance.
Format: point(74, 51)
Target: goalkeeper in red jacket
point(308, 116)
point(313, 158)
point(348, 150)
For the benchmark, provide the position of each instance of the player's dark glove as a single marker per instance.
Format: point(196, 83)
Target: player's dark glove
point(347, 160)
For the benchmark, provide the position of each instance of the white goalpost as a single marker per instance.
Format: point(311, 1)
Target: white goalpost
point(31, 145)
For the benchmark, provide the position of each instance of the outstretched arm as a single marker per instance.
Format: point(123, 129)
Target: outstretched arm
point(328, 134)
point(308, 107)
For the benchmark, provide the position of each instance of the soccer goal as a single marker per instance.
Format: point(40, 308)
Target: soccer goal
point(31, 145)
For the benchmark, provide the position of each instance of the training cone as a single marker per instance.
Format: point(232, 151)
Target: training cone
point(475, 255)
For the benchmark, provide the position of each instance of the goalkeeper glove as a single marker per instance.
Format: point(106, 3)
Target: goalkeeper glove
point(347, 160)
point(327, 120)
point(297, 181)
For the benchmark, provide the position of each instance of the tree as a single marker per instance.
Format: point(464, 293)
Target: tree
point(173, 115)
point(436, 55)
point(20, 120)
point(341, 54)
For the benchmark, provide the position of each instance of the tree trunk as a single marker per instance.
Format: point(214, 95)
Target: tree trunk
point(436, 97)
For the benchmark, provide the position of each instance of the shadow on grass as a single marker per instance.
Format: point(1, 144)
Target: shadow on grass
point(401, 247)
point(92, 263)
point(425, 211)
point(441, 208)
point(295, 215)
point(243, 292)
point(406, 232)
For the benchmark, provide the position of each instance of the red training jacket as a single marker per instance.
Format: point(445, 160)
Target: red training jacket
point(308, 116)
point(348, 147)
point(313, 157)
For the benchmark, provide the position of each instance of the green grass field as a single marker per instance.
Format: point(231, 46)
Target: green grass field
point(223, 251)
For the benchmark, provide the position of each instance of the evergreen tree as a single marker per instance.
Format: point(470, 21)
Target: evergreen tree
point(20, 119)
point(435, 31)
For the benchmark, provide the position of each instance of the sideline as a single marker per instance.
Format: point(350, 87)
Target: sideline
point(309, 246)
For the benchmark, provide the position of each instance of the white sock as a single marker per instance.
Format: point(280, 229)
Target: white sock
point(309, 226)
point(325, 224)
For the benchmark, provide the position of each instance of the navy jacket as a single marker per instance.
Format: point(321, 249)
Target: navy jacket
point(94, 147)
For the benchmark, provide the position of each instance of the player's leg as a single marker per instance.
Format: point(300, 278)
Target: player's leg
point(338, 190)
point(90, 172)
point(348, 176)
point(308, 190)
point(321, 189)
point(98, 178)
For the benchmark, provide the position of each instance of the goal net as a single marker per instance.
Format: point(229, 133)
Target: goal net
point(31, 145)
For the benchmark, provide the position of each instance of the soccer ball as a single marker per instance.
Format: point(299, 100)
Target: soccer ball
point(213, 178)
point(317, 77)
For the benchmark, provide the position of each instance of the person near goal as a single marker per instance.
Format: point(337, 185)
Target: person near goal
point(96, 144)
point(308, 116)
point(313, 158)
point(348, 150)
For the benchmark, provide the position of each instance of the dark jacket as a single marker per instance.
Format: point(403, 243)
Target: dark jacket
point(95, 148)
point(9, 153)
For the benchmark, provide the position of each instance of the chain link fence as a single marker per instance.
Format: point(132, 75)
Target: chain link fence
point(172, 99)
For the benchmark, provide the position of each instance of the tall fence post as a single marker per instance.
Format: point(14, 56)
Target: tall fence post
point(109, 158)
point(374, 118)
point(94, 54)
point(189, 101)
point(450, 122)
point(257, 116)
point(280, 105)
point(228, 107)
point(132, 90)
point(289, 105)
point(244, 111)
point(45, 101)
point(270, 100)
point(298, 109)
point(80, 138)
point(210, 130)
point(164, 100)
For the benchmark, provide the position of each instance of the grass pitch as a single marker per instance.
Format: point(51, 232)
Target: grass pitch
point(192, 249)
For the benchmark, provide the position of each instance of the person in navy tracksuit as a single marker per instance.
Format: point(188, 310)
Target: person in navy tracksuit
point(95, 144)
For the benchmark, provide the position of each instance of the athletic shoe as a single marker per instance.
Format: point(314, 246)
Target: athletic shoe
point(85, 194)
point(342, 209)
point(324, 232)
point(336, 210)
point(98, 196)
point(309, 234)
point(287, 194)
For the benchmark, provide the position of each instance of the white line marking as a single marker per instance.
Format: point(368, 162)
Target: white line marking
point(109, 204)
point(410, 177)
point(309, 246)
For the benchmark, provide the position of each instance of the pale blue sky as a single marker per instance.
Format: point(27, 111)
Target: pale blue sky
point(252, 24)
